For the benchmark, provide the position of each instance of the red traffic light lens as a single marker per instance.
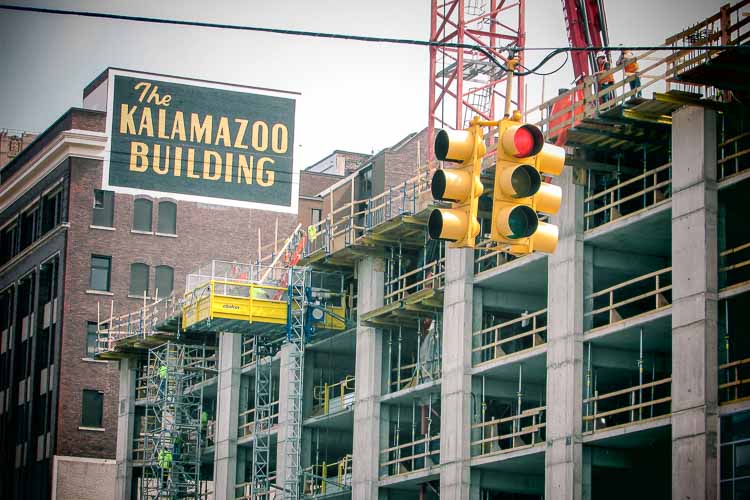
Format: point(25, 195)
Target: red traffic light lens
point(523, 139)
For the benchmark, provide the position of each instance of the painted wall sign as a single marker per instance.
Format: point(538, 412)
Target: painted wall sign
point(199, 141)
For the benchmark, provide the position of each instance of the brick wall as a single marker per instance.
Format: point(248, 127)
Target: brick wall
point(204, 232)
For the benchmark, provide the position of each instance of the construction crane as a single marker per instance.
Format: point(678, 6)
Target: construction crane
point(586, 25)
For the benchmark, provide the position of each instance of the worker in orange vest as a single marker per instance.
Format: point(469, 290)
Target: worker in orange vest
point(631, 70)
point(605, 81)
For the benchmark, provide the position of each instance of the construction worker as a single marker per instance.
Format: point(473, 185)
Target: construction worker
point(605, 80)
point(162, 378)
point(204, 424)
point(631, 70)
point(165, 459)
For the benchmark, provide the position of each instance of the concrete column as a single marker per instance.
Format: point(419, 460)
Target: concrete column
point(369, 384)
point(283, 414)
point(455, 389)
point(125, 429)
point(694, 305)
point(227, 415)
point(565, 275)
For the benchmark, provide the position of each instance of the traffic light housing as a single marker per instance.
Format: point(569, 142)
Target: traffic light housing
point(460, 185)
point(520, 191)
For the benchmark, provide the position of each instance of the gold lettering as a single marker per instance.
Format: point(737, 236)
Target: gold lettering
point(279, 138)
point(260, 136)
point(138, 151)
point(223, 134)
point(200, 132)
point(191, 164)
point(244, 169)
point(207, 155)
point(240, 134)
point(147, 124)
point(178, 161)
point(145, 86)
point(178, 126)
point(157, 159)
point(127, 121)
point(259, 173)
point(161, 124)
point(228, 167)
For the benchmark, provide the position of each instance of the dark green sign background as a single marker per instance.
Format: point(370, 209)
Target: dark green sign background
point(201, 101)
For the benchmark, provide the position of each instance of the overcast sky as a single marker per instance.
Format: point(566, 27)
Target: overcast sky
point(355, 96)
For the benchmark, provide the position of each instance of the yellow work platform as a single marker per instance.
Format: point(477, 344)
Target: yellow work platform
point(241, 307)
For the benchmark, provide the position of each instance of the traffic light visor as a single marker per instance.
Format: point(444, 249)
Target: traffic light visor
point(452, 185)
point(522, 141)
point(519, 221)
point(456, 145)
point(451, 224)
point(520, 181)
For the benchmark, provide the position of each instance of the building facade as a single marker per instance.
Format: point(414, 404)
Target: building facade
point(72, 254)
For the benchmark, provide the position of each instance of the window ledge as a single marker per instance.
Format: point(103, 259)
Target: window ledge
point(138, 231)
point(99, 292)
point(132, 296)
point(168, 235)
point(94, 429)
point(92, 360)
point(103, 228)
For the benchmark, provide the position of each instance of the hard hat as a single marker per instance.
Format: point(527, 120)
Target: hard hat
point(601, 55)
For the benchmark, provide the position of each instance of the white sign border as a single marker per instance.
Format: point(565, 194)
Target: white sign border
point(112, 73)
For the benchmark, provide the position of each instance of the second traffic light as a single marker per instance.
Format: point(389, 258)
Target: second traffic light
point(459, 185)
point(520, 192)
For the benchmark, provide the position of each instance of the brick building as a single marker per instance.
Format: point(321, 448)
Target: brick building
point(69, 250)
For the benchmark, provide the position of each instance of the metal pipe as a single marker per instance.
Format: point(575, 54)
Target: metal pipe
point(398, 371)
point(519, 395)
point(588, 386)
point(390, 359)
point(640, 374)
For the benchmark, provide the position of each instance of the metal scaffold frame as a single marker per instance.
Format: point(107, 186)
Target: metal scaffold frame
point(173, 422)
point(298, 282)
point(263, 421)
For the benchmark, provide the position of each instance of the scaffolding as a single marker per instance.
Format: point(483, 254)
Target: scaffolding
point(173, 435)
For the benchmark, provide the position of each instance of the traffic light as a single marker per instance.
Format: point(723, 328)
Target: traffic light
point(520, 192)
point(459, 185)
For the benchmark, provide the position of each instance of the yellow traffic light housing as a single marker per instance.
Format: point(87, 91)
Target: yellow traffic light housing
point(520, 192)
point(459, 185)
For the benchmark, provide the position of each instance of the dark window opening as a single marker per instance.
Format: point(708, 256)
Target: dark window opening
point(51, 211)
point(164, 280)
point(167, 223)
point(90, 339)
point(100, 272)
point(142, 209)
point(316, 215)
point(138, 279)
point(8, 239)
point(91, 411)
point(104, 208)
point(29, 221)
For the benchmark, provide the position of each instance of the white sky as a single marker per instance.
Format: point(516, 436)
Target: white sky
point(355, 96)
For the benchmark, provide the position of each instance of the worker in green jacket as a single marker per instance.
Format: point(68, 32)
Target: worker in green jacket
point(162, 379)
point(165, 459)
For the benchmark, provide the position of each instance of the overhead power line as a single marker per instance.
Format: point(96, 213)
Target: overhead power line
point(361, 38)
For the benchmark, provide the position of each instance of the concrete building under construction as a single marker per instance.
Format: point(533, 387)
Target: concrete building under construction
point(616, 366)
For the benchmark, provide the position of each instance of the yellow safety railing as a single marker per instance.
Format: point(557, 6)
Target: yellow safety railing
point(419, 454)
point(733, 266)
point(429, 276)
point(641, 295)
point(627, 406)
point(328, 478)
point(247, 419)
point(734, 381)
point(629, 197)
point(509, 433)
point(244, 491)
point(525, 332)
point(657, 72)
point(487, 257)
point(331, 398)
point(733, 156)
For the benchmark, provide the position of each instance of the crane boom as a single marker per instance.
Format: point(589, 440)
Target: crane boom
point(586, 25)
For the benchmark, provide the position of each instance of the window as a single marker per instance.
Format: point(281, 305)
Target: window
point(90, 339)
point(29, 221)
point(51, 211)
point(167, 218)
point(316, 215)
point(138, 279)
point(100, 271)
point(142, 214)
point(91, 411)
point(164, 280)
point(104, 208)
point(8, 242)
